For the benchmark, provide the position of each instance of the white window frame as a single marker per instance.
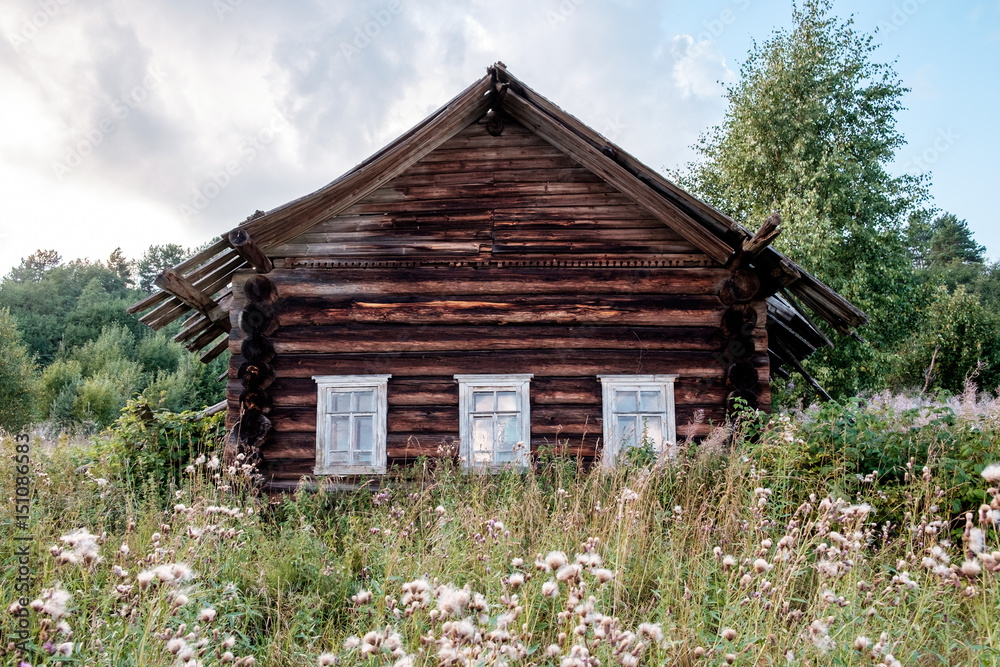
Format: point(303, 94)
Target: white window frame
point(379, 384)
point(467, 385)
point(610, 383)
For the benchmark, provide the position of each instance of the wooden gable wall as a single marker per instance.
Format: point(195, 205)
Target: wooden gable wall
point(491, 255)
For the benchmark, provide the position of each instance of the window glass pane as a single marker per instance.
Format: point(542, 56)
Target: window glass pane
point(507, 401)
point(340, 401)
point(482, 401)
point(364, 433)
point(338, 458)
point(366, 400)
point(626, 432)
point(340, 435)
point(482, 434)
point(507, 434)
point(653, 431)
point(625, 400)
point(651, 401)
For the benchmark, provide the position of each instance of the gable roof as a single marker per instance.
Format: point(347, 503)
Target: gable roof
point(190, 285)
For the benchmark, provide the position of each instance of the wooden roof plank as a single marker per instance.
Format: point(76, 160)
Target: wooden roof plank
point(616, 176)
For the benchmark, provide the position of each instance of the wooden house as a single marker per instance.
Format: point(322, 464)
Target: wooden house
point(499, 279)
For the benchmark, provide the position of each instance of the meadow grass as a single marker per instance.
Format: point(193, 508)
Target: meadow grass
point(759, 552)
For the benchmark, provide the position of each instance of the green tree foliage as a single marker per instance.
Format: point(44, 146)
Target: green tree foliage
point(94, 355)
point(16, 369)
point(810, 131)
point(957, 340)
point(156, 259)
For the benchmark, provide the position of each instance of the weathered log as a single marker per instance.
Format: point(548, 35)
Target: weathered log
point(681, 310)
point(246, 438)
point(255, 399)
point(739, 319)
point(257, 318)
point(255, 376)
point(257, 349)
point(740, 288)
point(742, 375)
point(259, 289)
point(170, 281)
point(507, 280)
point(762, 238)
point(241, 242)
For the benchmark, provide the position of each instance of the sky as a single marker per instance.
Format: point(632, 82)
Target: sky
point(126, 124)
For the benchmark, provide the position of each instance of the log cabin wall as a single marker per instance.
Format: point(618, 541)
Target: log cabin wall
point(493, 254)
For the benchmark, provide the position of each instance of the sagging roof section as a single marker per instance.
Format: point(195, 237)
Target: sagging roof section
point(198, 288)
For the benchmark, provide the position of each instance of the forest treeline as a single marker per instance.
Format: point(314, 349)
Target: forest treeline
point(810, 131)
point(71, 354)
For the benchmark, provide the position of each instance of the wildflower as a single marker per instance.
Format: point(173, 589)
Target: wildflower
point(517, 562)
point(730, 658)
point(820, 634)
point(555, 560)
point(451, 600)
point(651, 630)
point(728, 562)
point(515, 581)
point(862, 643)
point(65, 649)
point(991, 473)
point(553, 650)
point(119, 572)
point(180, 600)
point(728, 634)
point(970, 569)
point(977, 540)
point(628, 495)
point(760, 566)
point(207, 615)
point(123, 549)
point(362, 597)
point(175, 645)
point(352, 643)
point(568, 572)
point(213, 463)
point(227, 657)
point(326, 659)
point(54, 602)
point(550, 589)
point(603, 575)
point(440, 510)
point(84, 548)
point(145, 577)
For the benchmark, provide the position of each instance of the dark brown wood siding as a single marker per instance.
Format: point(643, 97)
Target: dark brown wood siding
point(491, 255)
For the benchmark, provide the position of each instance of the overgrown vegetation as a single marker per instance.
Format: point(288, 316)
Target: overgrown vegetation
point(74, 357)
point(847, 535)
point(810, 131)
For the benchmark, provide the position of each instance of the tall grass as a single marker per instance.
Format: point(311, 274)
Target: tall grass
point(778, 549)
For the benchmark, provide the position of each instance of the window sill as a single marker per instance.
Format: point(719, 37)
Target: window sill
point(344, 471)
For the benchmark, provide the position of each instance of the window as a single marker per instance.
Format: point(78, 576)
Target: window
point(494, 420)
point(350, 424)
point(637, 409)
